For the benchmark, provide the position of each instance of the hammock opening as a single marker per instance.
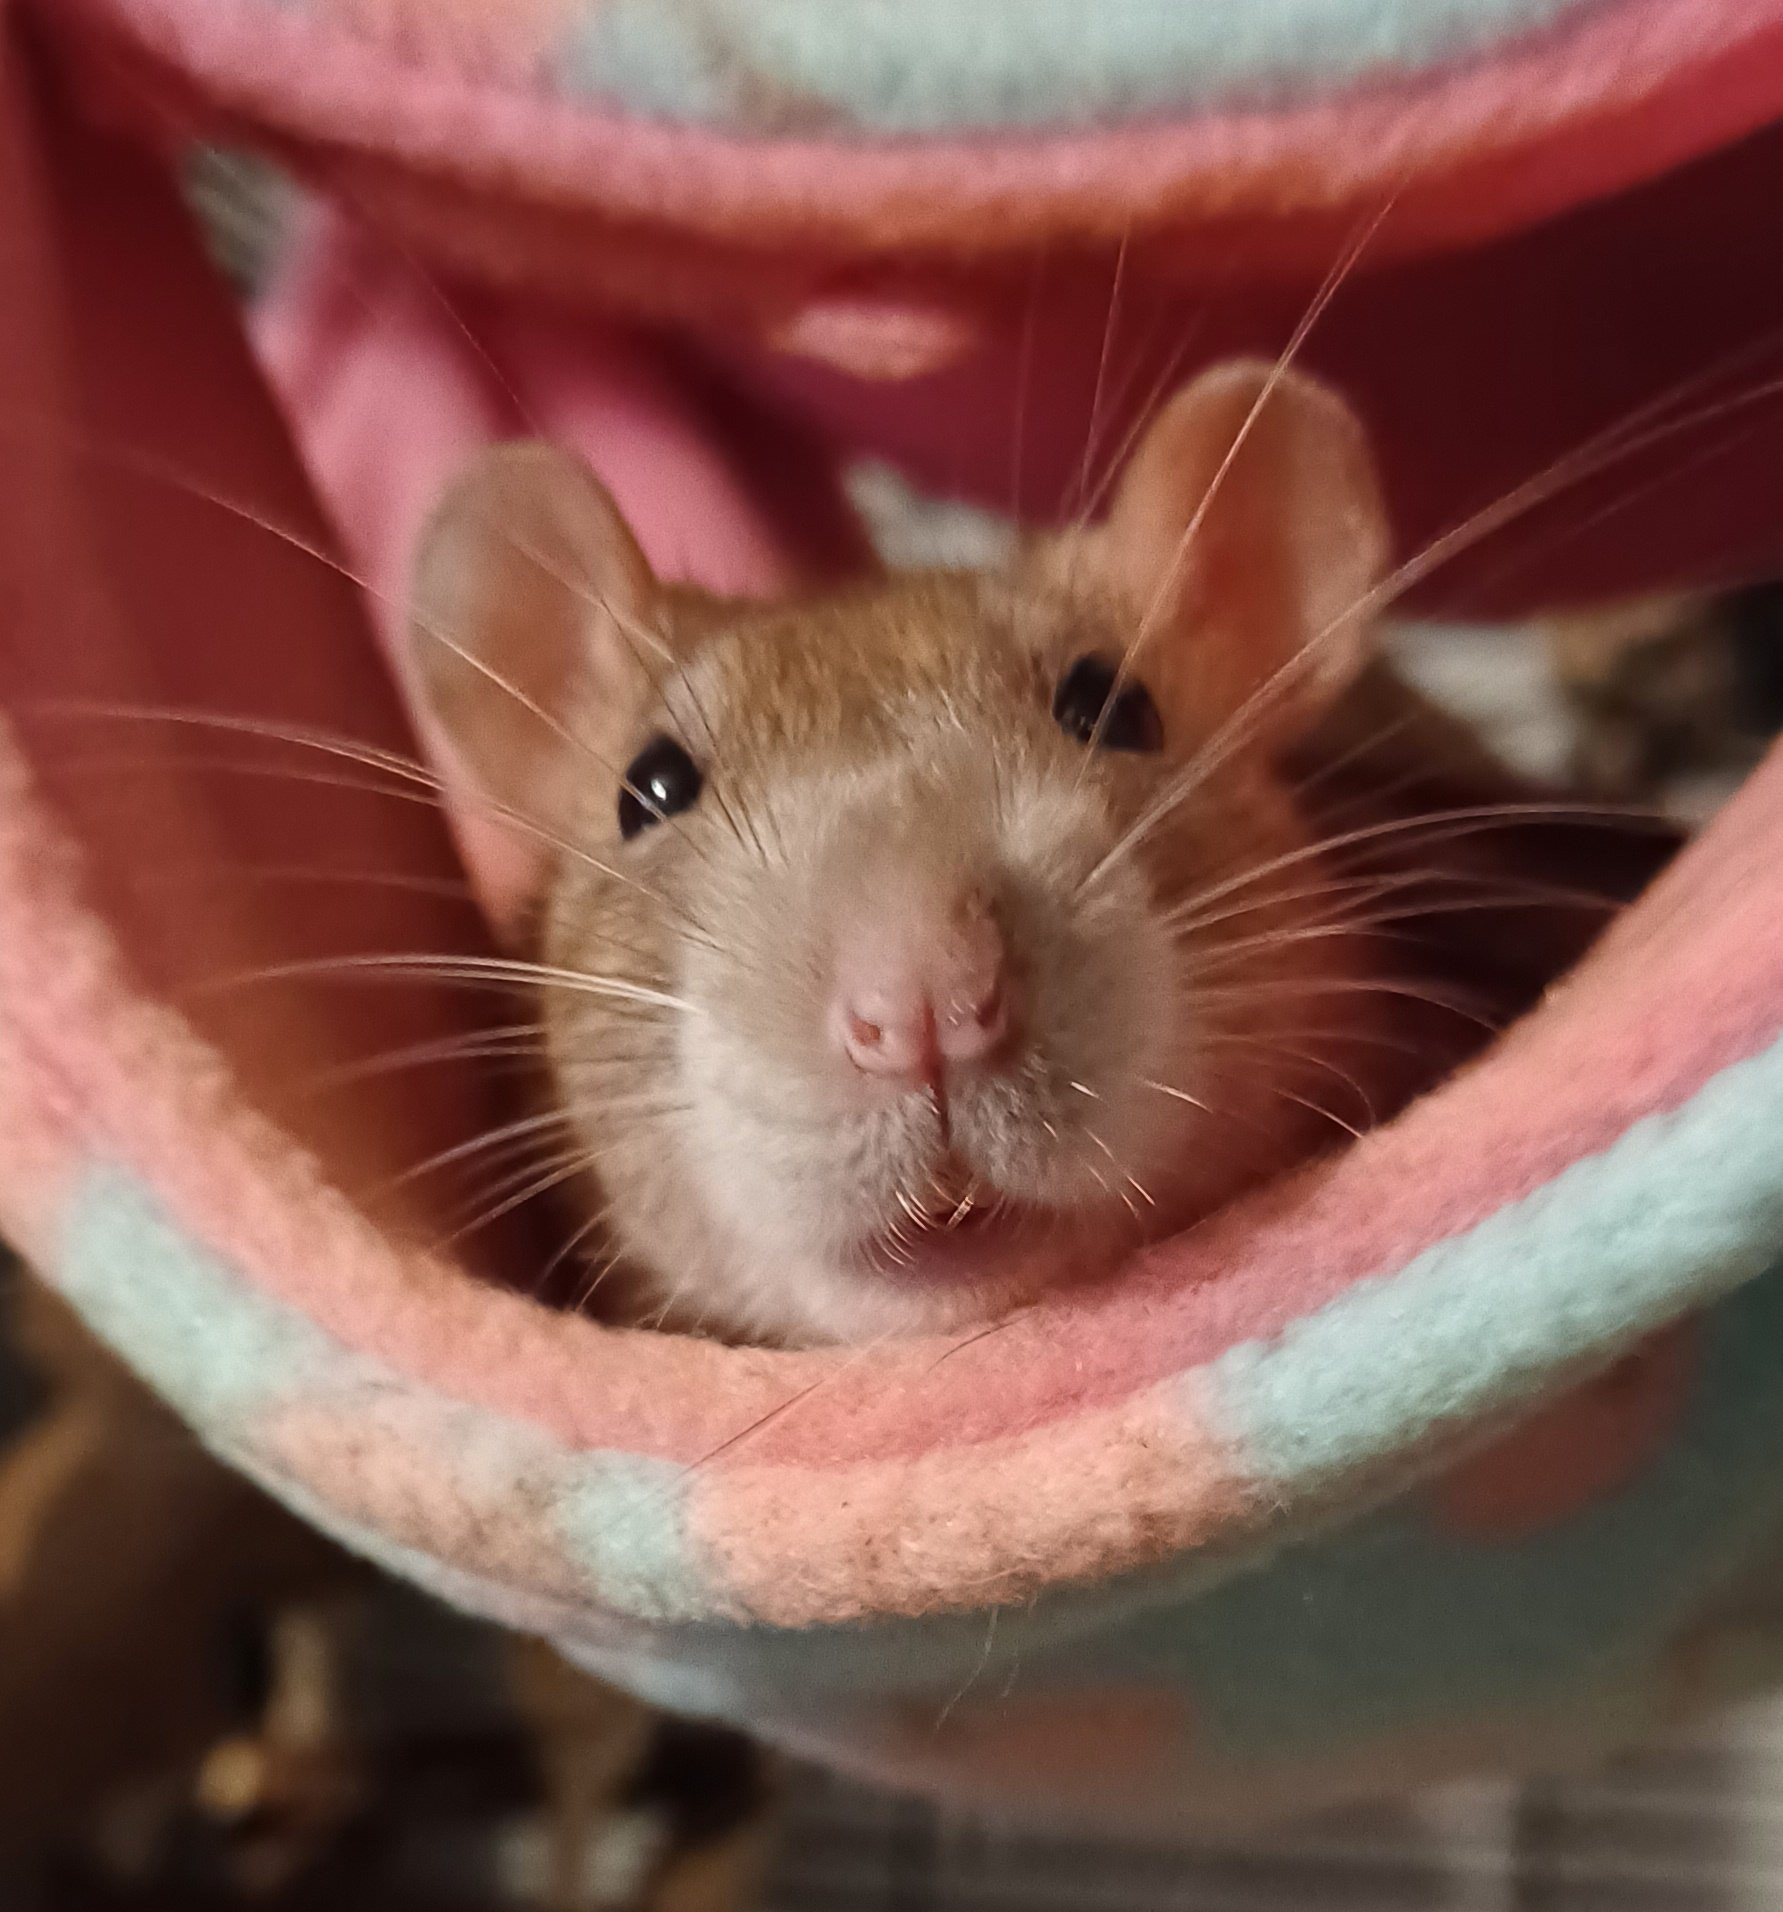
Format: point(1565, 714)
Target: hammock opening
point(165, 1153)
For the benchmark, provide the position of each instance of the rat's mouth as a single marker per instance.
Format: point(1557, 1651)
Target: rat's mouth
point(939, 1238)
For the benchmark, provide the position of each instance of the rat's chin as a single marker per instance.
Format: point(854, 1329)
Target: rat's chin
point(986, 1239)
point(940, 1274)
point(1002, 1248)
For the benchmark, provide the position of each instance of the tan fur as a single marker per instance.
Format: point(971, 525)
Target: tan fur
point(904, 733)
point(928, 717)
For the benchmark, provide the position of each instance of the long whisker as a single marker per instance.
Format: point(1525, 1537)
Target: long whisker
point(455, 317)
point(468, 969)
point(1319, 1109)
point(1346, 1037)
point(1143, 416)
point(417, 783)
point(575, 1240)
point(585, 1295)
point(633, 632)
point(1452, 825)
point(1110, 325)
point(513, 1038)
point(645, 645)
point(1344, 923)
point(521, 1129)
point(1455, 1002)
point(636, 635)
point(542, 1184)
point(865, 1351)
point(1275, 1047)
point(1447, 825)
point(1167, 584)
point(1622, 440)
point(143, 464)
point(239, 875)
point(1618, 442)
point(1176, 1094)
point(1024, 376)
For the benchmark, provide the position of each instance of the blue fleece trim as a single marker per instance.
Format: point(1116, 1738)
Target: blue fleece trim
point(227, 1356)
point(1394, 1622)
point(913, 67)
point(1681, 1209)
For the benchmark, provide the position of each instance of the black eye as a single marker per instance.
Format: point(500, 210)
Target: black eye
point(1082, 709)
point(661, 780)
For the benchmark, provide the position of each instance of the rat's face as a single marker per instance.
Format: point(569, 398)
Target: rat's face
point(896, 937)
point(934, 1040)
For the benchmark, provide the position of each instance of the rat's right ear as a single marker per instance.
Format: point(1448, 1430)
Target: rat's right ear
point(532, 610)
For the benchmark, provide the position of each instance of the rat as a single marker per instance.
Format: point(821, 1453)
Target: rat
point(912, 950)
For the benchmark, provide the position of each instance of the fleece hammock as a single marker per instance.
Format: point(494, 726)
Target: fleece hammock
point(1464, 1448)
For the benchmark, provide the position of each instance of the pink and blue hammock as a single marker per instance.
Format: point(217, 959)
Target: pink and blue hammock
point(1464, 1450)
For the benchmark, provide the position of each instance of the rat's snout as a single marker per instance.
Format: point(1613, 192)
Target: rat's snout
point(921, 985)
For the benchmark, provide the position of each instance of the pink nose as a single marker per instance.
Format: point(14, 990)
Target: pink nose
point(920, 991)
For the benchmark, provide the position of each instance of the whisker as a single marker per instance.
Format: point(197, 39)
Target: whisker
point(522, 1159)
point(1342, 925)
point(577, 1237)
point(599, 1268)
point(537, 428)
point(607, 1266)
point(1327, 291)
point(1455, 1002)
point(1275, 1047)
point(1462, 821)
point(1143, 415)
point(1185, 919)
point(428, 787)
point(514, 1038)
point(469, 969)
point(1120, 1193)
point(240, 875)
point(1623, 440)
point(1346, 1037)
point(865, 1351)
point(520, 1129)
point(1176, 1094)
point(1109, 326)
point(1620, 441)
point(1315, 1108)
point(644, 645)
point(541, 1185)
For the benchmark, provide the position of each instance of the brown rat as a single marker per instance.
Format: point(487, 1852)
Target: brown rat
point(914, 949)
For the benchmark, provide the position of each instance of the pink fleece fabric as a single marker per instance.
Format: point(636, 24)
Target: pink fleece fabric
point(144, 509)
point(939, 302)
point(1622, 92)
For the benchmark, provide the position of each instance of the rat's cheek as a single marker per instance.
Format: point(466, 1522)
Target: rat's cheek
point(1131, 1008)
point(748, 1165)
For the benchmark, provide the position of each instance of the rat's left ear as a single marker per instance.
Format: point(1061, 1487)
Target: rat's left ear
point(1243, 540)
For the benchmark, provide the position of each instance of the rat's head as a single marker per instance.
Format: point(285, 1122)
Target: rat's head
point(912, 950)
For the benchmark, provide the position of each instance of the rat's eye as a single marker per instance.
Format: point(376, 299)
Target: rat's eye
point(1082, 708)
point(660, 780)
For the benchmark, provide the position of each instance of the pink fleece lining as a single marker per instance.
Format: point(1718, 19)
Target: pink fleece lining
point(1601, 102)
point(1134, 1479)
